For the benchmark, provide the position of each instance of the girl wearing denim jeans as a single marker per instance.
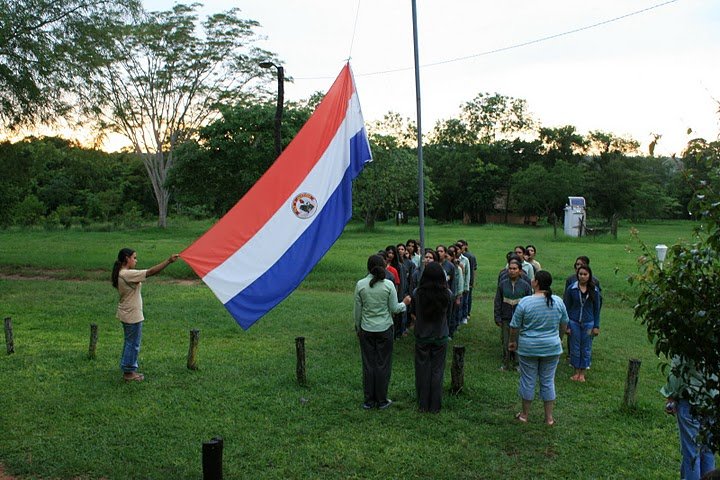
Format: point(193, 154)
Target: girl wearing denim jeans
point(583, 302)
point(128, 282)
point(697, 458)
point(535, 335)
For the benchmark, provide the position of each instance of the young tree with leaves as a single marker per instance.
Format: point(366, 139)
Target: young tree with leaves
point(679, 300)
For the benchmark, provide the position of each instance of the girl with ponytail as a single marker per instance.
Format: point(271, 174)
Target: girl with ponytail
point(375, 303)
point(128, 282)
point(535, 335)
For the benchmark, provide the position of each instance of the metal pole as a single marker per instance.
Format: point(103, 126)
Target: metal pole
point(280, 102)
point(421, 178)
point(279, 110)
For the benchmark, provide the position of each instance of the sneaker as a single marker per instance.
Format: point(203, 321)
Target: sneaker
point(464, 321)
point(368, 405)
point(385, 404)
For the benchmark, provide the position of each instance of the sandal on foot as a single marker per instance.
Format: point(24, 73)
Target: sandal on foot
point(137, 377)
point(551, 423)
point(521, 418)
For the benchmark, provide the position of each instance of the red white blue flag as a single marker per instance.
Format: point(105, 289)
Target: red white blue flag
point(261, 250)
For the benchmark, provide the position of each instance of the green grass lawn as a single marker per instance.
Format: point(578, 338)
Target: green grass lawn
point(64, 416)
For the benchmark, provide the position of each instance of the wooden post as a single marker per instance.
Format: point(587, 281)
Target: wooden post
point(192, 352)
point(457, 370)
point(9, 341)
point(300, 367)
point(614, 225)
point(212, 459)
point(631, 383)
point(93, 341)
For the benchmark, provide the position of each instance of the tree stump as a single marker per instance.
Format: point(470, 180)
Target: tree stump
point(457, 370)
point(631, 383)
point(212, 453)
point(300, 370)
point(192, 352)
point(93, 341)
point(9, 340)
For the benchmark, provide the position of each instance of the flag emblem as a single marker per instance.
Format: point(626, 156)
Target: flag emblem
point(304, 205)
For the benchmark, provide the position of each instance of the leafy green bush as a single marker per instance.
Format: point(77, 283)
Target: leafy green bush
point(30, 211)
point(680, 300)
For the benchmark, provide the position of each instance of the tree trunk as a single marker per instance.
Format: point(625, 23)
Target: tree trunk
point(507, 206)
point(157, 166)
point(369, 220)
point(163, 202)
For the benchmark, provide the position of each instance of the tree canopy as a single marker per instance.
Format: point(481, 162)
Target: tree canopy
point(166, 77)
point(230, 155)
point(48, 48)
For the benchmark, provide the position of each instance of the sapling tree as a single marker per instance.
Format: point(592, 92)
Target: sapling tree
point(679, 300)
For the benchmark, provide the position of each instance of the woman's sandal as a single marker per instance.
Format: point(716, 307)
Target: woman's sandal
point(520, 418)
point(550, 423)
point(137, 377)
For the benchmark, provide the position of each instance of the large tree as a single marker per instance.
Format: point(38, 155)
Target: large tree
point(168, 75)
point(495, 117)
point(48, 48)
point(562, 143)
point(537, 190)
point(390, 182)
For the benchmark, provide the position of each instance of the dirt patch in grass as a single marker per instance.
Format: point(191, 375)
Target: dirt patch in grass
point(3, 475)
point(93, 276)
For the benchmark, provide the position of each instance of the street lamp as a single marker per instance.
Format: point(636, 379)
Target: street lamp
point(280, 100)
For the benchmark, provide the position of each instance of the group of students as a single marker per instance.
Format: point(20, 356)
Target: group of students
point(396, 295)
point(402, 264)
point(533, 319)
point(582, 298)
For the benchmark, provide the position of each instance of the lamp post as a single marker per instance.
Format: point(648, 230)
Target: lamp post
point(280, 101)
point(661, 251)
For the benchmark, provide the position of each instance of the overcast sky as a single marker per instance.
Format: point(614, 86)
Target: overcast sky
point(653, 72)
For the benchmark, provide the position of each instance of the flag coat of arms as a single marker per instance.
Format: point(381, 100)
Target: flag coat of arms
point(261, 250)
